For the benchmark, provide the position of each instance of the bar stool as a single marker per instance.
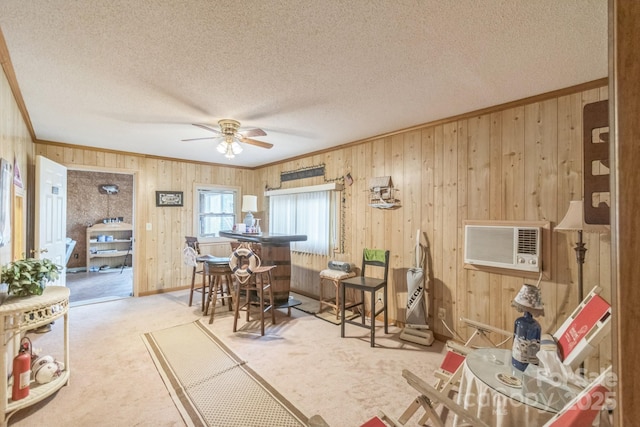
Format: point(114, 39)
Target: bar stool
point(219, 274)
point(362, 283)
point(191, 254)
point(335, 278)
point(253, 281)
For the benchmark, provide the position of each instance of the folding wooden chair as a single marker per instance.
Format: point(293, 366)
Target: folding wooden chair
point(583, 330)
point(449, 372)
point(581, 411)
point(576, 338)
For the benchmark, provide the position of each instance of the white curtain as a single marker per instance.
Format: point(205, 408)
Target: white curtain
point(302, 213)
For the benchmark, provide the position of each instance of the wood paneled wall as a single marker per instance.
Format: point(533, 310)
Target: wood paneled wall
point(158, 251)
point(521, 162)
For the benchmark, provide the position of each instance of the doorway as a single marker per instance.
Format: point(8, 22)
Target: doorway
point(100, 221)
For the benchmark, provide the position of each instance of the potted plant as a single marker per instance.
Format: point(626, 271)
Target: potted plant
point(28, 276)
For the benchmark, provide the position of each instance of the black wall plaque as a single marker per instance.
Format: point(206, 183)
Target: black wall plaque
point(301, 174)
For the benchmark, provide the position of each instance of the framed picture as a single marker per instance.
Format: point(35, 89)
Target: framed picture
point(169, 198)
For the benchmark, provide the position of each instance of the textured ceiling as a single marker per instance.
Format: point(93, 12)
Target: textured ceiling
point(133, 75)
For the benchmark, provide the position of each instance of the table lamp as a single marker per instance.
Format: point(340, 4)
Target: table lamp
point(527, 330)
point(249, 205)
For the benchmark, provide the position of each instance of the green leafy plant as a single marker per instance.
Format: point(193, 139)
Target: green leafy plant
point(28, 276)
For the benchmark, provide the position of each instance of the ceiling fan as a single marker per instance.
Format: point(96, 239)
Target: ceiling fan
point(232, 136)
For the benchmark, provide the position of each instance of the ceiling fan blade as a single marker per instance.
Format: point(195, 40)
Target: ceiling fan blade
point(200, 139)
point(252, 132)
point(256, 143)
point(210, 129)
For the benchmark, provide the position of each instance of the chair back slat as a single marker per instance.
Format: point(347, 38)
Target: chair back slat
point(193, 243)
point(375, 258)
point(584, 408)
point(591, 314)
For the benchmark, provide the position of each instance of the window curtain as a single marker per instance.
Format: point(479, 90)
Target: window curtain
point(303, 213)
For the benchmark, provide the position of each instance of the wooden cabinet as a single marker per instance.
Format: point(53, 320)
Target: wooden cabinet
point(18, 315)
point(109, 245)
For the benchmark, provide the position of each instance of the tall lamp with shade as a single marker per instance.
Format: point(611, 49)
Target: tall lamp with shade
point(249, 205)
point(574, 221)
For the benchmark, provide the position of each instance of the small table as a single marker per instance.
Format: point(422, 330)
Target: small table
point(501, 395)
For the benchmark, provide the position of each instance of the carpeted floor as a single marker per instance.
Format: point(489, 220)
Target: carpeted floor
point(114, 382)
point(311, 306)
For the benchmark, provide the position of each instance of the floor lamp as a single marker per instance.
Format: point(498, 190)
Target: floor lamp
point(574, 221)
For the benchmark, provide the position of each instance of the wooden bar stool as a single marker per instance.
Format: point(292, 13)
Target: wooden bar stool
point(191, 254)
point(362, 283)
point(219, 274)
point(335, 278)
point(253, 282)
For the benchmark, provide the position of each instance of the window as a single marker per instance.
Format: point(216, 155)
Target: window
point(312, 213)
point(215, 210)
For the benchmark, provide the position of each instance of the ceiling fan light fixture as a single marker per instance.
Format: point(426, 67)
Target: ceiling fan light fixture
point(237, 148)
point(222, 147)
point(229, 154)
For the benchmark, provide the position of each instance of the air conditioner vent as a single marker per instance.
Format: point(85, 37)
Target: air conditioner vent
point(528, 241)
point(512, 247)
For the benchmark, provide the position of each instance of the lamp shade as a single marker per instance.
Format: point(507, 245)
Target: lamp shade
point(249, 203)
point(529, 299)
point(574, 220)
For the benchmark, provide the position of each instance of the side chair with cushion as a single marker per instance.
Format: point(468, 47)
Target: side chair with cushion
point(371, 258)
point(335, 278)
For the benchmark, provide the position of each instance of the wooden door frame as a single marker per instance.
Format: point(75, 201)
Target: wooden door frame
point(624, 96)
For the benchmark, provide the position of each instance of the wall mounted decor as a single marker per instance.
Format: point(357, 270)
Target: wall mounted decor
point(169, 198)
point(595, 117)
point(382, 193)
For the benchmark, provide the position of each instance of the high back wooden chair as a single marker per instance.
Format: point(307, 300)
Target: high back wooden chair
point(253, 284)
point(190, 253)
point(371, 258)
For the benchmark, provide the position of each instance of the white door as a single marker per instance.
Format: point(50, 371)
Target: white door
point(51, 213)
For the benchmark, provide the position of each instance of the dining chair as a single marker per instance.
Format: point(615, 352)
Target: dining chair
point(371, 258)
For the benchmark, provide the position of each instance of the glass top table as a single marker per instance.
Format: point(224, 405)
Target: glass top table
point(493, 367)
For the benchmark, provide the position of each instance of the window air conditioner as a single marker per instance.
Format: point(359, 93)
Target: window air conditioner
point(512, 247)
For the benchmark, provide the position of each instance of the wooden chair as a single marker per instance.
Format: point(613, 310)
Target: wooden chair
point(449, 372)
point(583, 330)
point(581, 411)
point(198, 269)
point(219, 274)
point(576, 338)
point(335, 278)
point(253, 282)
point(372, 258)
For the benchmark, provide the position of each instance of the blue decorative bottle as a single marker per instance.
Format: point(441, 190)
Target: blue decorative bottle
point(526, 341)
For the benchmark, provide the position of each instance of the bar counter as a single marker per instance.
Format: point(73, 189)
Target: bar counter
point(276, 250)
